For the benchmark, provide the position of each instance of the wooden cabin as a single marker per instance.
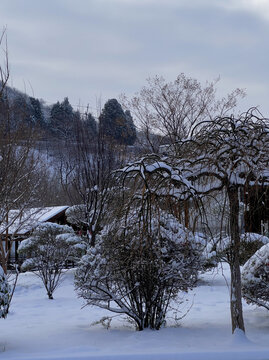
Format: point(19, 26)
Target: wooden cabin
point(18, 226)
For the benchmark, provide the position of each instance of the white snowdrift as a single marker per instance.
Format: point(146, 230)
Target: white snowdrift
point(39, 329)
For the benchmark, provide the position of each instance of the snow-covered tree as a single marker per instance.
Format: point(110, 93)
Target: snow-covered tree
point(144, 256)
point(226, 154)
point(255, 278)
point(86, 219)
point(222, 154)
point(47, 251)
point(4, 294)
point(139, 265)
point(37, 116)
point(76, 215)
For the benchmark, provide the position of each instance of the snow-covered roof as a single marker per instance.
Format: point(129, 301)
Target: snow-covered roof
point(49, 212)
point(20, 224)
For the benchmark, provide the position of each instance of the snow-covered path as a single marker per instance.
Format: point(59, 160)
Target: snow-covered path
point(38, 328)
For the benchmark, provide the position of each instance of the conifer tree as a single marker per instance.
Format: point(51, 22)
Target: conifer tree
point(62, 119)
point(91, 124)
point(131, 130)
point(117, 124)
point(37, 116)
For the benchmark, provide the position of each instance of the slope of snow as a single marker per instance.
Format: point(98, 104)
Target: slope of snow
point(39, 329)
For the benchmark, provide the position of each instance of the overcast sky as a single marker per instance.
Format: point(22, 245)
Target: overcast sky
point(87, 49)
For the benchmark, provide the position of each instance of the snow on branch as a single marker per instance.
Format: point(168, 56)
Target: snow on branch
point(159, 177)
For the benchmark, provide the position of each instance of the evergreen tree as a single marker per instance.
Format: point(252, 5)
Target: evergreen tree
point(55, 112)
point(116, 124)
point(91, 125)
point(20, 111)
point(67, 107)
point(37, 116)
point(131, 130)
point(62, 119)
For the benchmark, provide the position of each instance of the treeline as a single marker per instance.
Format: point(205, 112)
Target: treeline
point(60, 120)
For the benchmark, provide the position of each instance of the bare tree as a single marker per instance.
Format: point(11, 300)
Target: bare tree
point(18, 164)
point(19, 175)
point(86, 177)
point(171, 109)
point(4, 67)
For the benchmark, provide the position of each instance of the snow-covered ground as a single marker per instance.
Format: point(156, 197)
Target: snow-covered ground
point(38, 328)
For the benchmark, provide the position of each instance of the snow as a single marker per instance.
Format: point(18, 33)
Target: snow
point(29, 219)
point(38, 328)
point(49, 212)
point(224, 243)
point(255, 277)
point(258, 260)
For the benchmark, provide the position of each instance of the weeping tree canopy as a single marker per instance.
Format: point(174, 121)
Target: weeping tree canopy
point(233, 151)
point(226, 154)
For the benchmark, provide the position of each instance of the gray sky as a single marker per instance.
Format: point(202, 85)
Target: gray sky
point(87, 49)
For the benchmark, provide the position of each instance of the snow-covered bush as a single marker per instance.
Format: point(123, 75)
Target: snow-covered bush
point(47, 251)
point(249, 244)
point(4, 294)
point(76, 215)
point(211, 259)
point(219, 249)
point(255, 278)
point(88, 218)
point(138, 267)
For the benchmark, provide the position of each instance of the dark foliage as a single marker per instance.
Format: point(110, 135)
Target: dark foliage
point(116, 124)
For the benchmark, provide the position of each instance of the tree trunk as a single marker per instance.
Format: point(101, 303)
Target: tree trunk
point(3, 260)
point(50, 296)
point(236, 296)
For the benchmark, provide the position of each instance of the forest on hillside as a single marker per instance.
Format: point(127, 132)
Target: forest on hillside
point(59, 121)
